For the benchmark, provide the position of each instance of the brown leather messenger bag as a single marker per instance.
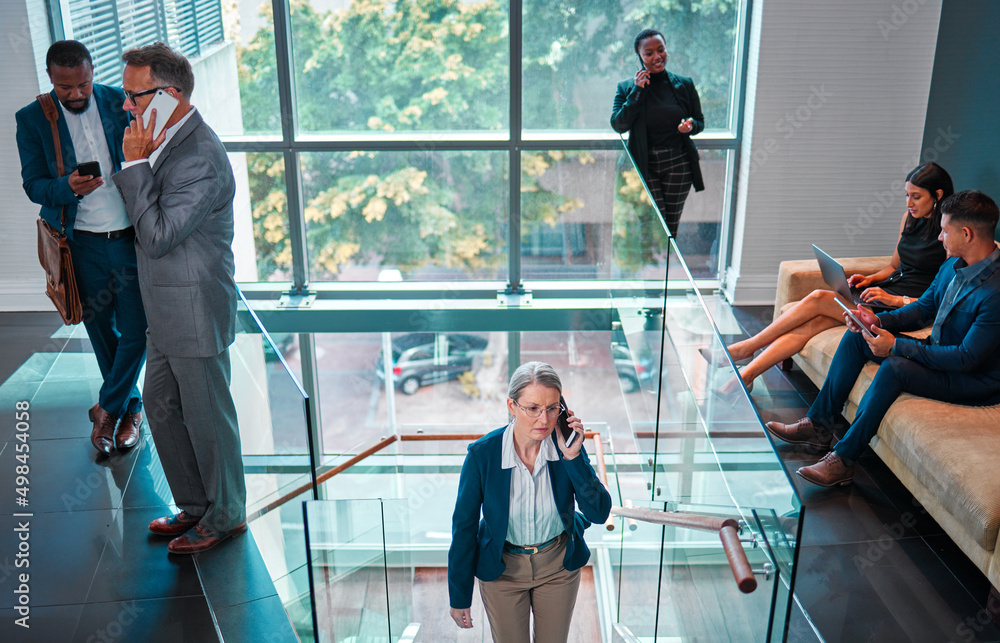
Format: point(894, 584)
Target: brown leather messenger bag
point(53, 247)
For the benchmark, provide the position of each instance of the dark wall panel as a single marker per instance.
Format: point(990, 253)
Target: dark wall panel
point(963, 114)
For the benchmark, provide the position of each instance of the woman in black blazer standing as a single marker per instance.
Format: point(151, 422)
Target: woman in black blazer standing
point(661, 111)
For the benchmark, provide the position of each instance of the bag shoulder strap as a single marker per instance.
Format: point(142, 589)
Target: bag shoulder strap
point(52, 116)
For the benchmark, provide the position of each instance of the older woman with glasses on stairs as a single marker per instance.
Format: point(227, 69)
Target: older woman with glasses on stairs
point(515, 527)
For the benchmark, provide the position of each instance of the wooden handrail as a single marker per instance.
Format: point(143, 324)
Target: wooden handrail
point(419, 437)
point(467, 437)
point(688, 435)
point(726, 528)
point(602, 474)
point(322, 478)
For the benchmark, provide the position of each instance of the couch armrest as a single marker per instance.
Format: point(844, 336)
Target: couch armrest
point(796, 279)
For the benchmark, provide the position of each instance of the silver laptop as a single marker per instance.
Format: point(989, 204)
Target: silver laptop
point(836, 278)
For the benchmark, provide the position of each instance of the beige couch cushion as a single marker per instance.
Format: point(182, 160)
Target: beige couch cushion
point(952, 450)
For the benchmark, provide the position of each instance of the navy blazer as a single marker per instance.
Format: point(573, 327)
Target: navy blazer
point(970, 335)
point(485, 487)
point(629, 115)
point(39, 172)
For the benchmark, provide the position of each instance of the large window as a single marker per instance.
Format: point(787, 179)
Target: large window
point(380, 67)
point(110, 27)
point(431, 215)
point(437, 139)
point(574, 53)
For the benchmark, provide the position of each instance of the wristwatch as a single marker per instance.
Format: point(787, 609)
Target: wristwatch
point(906, 301)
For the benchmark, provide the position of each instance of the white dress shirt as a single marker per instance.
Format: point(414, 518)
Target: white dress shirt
point(103, 209)
point(534, 518)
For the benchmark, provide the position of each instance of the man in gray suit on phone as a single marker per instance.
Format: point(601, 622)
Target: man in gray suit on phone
point(178, 189)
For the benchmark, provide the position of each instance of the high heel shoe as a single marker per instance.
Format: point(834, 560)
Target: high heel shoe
point(707, 355)
point(730, 391)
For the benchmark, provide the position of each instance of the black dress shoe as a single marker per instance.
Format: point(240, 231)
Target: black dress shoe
point(202, 538)
point(129, 430)
point(173, 525)
point(103, 434)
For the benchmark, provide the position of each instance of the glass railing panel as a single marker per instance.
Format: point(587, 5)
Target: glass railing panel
point(700, 443)
point(274, 424)
point(639, 257)
point(360, 571)
point(272, 408)
point(749, 470)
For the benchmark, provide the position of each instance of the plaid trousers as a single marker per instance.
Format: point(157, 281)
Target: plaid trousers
point(669, 181)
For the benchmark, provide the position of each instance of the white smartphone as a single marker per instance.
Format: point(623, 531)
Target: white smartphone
point(164, 104)
point(854, 318)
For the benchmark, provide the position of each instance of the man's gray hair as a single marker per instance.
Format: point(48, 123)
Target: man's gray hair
point(532, 373)
point(167, 67)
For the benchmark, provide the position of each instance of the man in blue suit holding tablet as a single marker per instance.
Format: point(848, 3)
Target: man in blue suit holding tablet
point(959, 362)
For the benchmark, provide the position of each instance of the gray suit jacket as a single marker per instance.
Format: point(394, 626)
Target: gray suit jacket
point(182, 210)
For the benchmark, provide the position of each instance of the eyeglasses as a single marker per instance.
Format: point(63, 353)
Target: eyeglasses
point(131, 96)
point(536, 411)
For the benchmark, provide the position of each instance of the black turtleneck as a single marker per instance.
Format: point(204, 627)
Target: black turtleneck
point(663, 113)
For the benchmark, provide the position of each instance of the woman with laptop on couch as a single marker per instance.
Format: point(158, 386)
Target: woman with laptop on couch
point(914, 263)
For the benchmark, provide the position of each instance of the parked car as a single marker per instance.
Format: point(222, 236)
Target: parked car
point(632, 373)
point(419, 359)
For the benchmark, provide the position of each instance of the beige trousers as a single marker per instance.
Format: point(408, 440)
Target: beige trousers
point(532, 583)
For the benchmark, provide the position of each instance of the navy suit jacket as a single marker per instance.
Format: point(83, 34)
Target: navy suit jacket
point(970, 335)
point(39, 173)
point(629, 115)
point(477, 544)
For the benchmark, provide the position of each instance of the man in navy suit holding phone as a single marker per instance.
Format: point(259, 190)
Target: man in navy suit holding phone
point(178, 188)
point(958, 363)
point(91, 125)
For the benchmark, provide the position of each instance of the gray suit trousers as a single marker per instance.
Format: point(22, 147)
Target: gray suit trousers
point(193, 422)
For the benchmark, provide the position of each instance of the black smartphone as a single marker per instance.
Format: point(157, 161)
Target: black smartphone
point(568, 434)
point(89, 168)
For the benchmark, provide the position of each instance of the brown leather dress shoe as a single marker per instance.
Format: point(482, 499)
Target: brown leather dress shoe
point(202, 538)
point(103, 434)
point(173, 525)
point(828, 472)
point(129, 430)
point(801, 432)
